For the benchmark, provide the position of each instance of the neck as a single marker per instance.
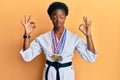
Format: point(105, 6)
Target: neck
point(58, 30)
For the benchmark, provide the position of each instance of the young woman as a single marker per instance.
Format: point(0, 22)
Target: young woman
point(58, 44)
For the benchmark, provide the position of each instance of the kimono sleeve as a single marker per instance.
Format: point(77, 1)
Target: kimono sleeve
point(86, 54)
point(33, 51)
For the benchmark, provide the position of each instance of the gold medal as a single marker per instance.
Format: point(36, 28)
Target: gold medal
point(54, 57)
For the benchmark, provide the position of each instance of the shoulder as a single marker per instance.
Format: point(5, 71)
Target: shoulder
point(71, 34)
point(74, 36)
point(44, 35)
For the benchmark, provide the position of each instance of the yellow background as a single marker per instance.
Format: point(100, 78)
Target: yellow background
point(105, 16)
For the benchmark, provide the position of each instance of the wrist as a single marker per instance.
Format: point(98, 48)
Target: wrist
point(89, 35)
point(26, 33)
point(26, 36)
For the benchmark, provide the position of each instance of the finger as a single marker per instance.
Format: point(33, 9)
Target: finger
point(29, 18)
point(32, 22)
point(33, 25)
point(81, 27)
point(84, 25)
point(22, 22)
point(25, 19)
point(82, 30)
point(89, 23)
point(84, 19)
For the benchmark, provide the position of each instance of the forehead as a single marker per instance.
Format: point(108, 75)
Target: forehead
point(58, 12)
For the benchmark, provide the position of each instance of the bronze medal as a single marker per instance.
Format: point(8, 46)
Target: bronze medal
point(60, 58)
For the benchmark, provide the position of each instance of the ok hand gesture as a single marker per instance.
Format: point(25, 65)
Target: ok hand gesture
point(85, 27)
point(28, 25)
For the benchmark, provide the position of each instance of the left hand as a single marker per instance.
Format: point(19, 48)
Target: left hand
point(85, 27)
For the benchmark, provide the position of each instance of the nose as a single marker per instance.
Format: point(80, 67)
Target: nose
point(58, 19)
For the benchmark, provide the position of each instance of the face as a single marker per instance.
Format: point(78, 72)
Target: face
point(58, 18)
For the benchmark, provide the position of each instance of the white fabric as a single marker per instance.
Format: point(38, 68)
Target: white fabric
point(44, 43)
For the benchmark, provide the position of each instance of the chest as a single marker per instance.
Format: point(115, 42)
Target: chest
point(69, 46)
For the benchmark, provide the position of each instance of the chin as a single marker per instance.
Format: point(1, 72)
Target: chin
point(58, 26)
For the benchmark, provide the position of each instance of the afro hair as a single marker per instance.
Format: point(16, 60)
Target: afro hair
point(57, 5)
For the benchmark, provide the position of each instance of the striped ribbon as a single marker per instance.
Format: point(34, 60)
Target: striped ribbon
point(57, 47)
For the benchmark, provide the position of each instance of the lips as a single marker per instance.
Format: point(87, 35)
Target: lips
point(58, 24)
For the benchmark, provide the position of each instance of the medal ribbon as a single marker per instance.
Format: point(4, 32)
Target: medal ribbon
point(57, 47)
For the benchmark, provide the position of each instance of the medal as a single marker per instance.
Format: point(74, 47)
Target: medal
point(60, 58)
point(56, 58)
point(58, 46)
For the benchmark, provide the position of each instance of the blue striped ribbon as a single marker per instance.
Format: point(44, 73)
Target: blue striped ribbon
point(57, 47)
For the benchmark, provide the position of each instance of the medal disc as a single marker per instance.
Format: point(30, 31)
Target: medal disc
point(60, 58)
point(54, 57)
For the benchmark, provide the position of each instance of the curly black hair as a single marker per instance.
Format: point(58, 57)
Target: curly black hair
point(57, 5)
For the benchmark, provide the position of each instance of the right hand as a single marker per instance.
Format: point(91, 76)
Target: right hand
point(28, 25)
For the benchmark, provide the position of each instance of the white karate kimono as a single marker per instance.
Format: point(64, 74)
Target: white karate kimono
point(44, 43)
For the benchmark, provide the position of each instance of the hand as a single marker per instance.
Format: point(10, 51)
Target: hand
point(85, 27)
point(28, 24)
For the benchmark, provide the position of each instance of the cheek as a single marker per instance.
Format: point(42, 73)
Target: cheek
point(63, 21)
point(53, 21)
